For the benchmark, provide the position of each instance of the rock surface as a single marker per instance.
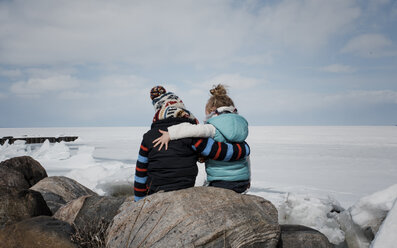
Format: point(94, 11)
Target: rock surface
point(21, 172)
point(195, 217)
point(17, 205)
point(37, 232)
point(296, 236)
point(57, 191)
point(90, 216)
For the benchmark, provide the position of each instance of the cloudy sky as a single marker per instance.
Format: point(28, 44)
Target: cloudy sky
point(286, 62)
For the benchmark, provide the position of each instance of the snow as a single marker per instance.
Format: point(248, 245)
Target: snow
point(311, 174)
point(386, 236)
point(371, 208)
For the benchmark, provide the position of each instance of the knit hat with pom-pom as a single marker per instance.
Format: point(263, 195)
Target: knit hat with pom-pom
point(168, 105)
point(157, 91)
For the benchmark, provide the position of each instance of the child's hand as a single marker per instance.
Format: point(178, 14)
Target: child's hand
point(202, 159)
point(162, 140)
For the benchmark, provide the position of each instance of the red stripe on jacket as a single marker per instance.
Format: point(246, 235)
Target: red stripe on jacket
point(198, 143)
point(218, 152)
point(239, 152)
point(144, 148)
point(140, 190)
point(141, 169)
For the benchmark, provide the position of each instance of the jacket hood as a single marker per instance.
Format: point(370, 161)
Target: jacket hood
point(230, 127)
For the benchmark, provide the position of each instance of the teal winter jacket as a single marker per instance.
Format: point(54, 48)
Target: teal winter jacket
point(230, 127)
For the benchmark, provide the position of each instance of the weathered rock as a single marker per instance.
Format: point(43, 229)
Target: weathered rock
point(21, 172)
point(17, 205)
point(57, 191)
point(90, 216)
point(37, 232)
point(296, 236)
point(195, 217)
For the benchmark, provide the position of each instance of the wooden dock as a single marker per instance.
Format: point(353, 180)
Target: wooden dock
point(36, 140)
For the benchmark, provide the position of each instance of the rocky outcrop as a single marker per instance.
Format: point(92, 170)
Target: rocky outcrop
point(296, 236)
point(57, 191)
point(196, 217)
point(37, 232)
point(21, 172)
point(17, 205)
point(90, 216)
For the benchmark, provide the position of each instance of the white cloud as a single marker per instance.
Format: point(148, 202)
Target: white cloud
point(157, 32)
point(10, 73)
point(294, 102)
point(129, 31)
point(394, 10)
point(375, 4)
point(306, 24)
point(370, 45)
point(73, 95)
point(37, 86)
point(235, 82)
point(262, 59)
point(366, 98)
point(338, 68)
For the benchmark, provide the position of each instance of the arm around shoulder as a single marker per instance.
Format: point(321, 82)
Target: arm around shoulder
point(221, 151)
point(186, 130)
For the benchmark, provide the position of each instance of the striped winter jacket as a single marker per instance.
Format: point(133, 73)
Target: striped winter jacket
point(176, 168)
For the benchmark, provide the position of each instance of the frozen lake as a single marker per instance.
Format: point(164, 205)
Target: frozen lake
point(343, 162)
point(306, 172)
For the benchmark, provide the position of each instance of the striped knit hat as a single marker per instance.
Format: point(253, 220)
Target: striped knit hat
point(157, 91)
point(169, 105)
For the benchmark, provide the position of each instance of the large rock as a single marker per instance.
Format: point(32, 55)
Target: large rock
point(57, 191)
point(195, 217)
point(296, 236)
point(90, 216)
point(37, 232)
point(17, 205)
point(21, 172)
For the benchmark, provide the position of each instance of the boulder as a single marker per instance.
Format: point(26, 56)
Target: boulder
point(296, 236)
point(195, 217)
point(90, 216)
point(57, 191)
point(17, 205)
point(21, 172)
point(37, 232)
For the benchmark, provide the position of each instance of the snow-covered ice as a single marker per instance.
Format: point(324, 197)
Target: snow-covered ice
point(386, 237)
point(371, 208)
point(309, 173)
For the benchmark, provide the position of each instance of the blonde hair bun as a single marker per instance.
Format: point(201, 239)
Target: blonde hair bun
point(218, 90)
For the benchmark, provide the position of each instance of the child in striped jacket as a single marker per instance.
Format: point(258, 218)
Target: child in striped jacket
point(224, 124)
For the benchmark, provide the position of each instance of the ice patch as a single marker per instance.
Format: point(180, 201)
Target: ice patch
point(386, 236)
point(370, 209)
point(320, 214)
point(112, 178)
point(57, 151)
point(19, 148)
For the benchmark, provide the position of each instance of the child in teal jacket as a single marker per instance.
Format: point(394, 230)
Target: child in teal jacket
point(223, 124)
